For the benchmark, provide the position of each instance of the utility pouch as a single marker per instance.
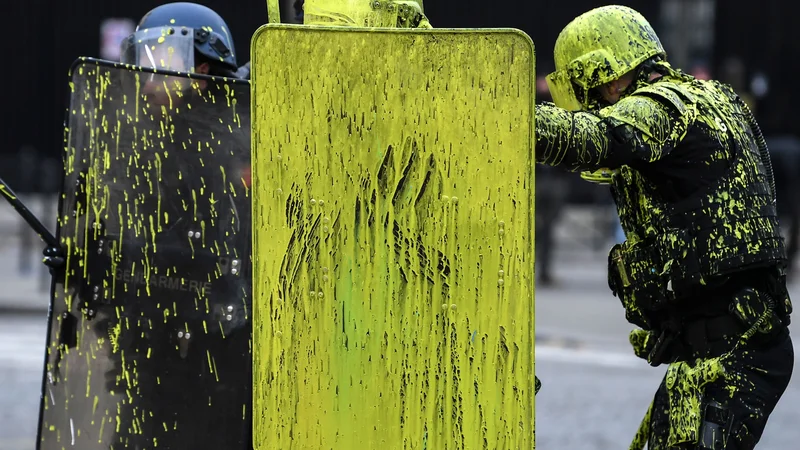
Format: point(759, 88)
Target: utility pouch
point(684, 268)
point(635, 275)
point(716, 428)
point(686, 389)
point(783, 303)
point(786, 305)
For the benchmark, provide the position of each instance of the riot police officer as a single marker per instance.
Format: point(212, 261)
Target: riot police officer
point(702, 270)
point(190, 367)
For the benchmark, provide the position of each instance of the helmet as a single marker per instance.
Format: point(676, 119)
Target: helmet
point(597, 47)
point(169, 35)
point(366, 13)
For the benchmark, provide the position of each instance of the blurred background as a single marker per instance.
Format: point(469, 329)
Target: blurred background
point(595, 391)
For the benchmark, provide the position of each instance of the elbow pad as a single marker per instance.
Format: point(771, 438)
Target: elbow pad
point(647, 124)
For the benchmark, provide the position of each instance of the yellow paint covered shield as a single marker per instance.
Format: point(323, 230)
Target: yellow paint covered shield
point(393, 238)
point(149, 334)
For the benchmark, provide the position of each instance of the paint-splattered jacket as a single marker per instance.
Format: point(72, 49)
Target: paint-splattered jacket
point(692, 193)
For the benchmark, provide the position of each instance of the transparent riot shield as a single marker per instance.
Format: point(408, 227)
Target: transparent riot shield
point(149, 337)
point(393, 239)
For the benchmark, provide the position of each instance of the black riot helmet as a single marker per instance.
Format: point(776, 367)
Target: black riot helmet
point(181, 36)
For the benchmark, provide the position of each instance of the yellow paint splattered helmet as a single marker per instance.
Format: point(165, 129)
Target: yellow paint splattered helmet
point(597, 47)
point(365, 13)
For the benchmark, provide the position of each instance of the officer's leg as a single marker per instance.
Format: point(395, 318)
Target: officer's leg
point(659, 419)
point(734, 409)
point(737, 407)
point(545, 219)
point(551, 195)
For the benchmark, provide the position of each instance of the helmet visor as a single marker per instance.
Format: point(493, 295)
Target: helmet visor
point(164, 48)
point(563, 91)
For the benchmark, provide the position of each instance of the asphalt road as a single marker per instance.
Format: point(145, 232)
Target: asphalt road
point(22, 343)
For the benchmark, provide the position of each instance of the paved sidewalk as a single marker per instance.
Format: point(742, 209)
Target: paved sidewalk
point(24, 280)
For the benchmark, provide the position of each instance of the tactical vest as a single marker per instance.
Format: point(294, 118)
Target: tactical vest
point(673, 248)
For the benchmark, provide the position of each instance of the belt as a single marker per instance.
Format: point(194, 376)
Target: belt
point(695, 338)
point(711, 334)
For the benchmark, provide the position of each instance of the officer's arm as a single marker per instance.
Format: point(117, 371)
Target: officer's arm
point(572, 140)
point(636, 129)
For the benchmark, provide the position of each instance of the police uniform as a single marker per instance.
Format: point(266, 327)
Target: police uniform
point(701, 272)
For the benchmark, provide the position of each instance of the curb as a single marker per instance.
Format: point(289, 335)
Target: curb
point(27, 303)
point(23, 310)
point(548, 340)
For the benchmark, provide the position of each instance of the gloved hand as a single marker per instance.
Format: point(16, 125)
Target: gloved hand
point(599, 176)
point(243, 72)
point(537, 385)
point(643, 342)
point(410, 15)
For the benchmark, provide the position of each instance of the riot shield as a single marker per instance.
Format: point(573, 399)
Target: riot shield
point(393, 238)
point(149, 335)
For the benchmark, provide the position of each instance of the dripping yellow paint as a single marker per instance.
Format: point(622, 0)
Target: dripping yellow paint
point(393, 243)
